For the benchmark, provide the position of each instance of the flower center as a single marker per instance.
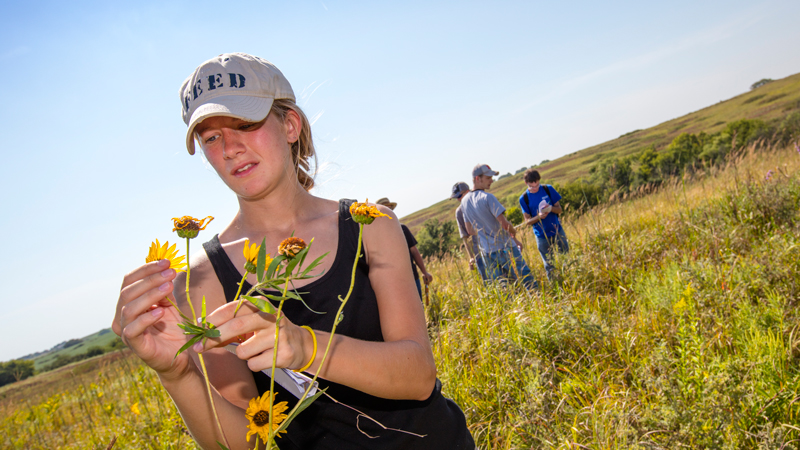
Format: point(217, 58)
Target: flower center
point(261, 418)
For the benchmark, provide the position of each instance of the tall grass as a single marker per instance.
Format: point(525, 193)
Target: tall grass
point(89, 405)
point(676, 324)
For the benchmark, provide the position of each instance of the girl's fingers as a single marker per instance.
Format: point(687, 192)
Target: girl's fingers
point(262, 361)
point(245, 322)
point(129, 311)
point(155, 277)
point(133, 330)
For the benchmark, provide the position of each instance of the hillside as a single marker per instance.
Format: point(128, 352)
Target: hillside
point(771, 101)
point(100, 339)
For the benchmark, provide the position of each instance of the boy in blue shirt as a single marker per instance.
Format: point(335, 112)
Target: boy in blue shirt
point(540, 206)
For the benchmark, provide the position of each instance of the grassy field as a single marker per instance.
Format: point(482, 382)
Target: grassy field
point(100, 339)
point(770, 101)
point(676, 326)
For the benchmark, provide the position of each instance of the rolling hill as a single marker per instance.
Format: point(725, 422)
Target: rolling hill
point(770, 101)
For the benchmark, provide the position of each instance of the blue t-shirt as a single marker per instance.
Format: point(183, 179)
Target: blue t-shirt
point(550, 226)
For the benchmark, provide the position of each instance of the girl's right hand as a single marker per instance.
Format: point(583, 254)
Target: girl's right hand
point(147, 322)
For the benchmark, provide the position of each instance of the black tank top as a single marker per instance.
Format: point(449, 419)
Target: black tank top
point(325, 424)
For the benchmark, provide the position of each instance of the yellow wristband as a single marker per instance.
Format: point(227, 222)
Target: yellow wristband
point(313, 355)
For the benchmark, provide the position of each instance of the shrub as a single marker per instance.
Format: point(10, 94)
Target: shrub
point(514, 215)
point(15, 370)
point(760, 83)
point(436, 238)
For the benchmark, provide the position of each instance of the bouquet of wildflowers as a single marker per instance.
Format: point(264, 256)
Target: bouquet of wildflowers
point(267, 419)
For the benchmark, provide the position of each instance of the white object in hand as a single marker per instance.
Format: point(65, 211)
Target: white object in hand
point(294, 382)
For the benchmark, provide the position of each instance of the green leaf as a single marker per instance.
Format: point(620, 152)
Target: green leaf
point(289, 294)
point(222, 446)
point(211, 333)
point(191, 342)
point(273, 266)
point(298, 258)
point(314, 264)
point(308, 247)
point(261, 304)
point(262, 259)
point(191, 328)
point(305, 404)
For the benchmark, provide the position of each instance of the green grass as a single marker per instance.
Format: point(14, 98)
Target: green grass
point(770, 101)
point(677, 325)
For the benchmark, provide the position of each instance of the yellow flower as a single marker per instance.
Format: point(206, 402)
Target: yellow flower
point(188, 226)
point(364, 213)
point(291, 246)
point(258, 414)
point(158, 252)
point(135, 408)
point(251, 256)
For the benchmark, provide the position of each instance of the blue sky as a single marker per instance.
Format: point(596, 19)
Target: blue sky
point(405, 98)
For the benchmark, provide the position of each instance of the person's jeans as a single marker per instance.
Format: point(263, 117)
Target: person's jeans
point(419, 287)
point(508, 264)
point(481, 266)
point(548, 245)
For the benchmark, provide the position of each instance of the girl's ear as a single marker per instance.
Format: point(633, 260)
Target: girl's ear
point(292, 124)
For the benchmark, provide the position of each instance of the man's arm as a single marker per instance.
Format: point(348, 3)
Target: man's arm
point(506, 225)
point(468, 248)
point(421, 264)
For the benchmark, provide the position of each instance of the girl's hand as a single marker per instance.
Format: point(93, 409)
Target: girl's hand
point(147, 322)
point(294, 343)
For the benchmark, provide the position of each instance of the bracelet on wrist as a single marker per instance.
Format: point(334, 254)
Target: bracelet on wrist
point(313, 354)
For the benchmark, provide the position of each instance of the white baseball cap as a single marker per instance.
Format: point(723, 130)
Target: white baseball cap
point(232, 84)
point(483, 169)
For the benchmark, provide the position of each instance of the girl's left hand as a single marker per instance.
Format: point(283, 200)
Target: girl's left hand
point(258, 349)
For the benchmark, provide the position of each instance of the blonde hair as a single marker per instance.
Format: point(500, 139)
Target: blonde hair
point(303, 147)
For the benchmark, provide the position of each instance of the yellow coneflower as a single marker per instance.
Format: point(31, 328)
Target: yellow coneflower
point(251, 256)
point(158, 252)
point(188, 226)
point(291, 246)
point(135, 408)
point(258, 414)
point(364, 213)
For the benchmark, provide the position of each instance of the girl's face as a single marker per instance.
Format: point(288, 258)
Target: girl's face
point(251, 158)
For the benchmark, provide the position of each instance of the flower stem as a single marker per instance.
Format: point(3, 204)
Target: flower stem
point(200, 355)
point(335, 321)
point(271, 435)
point(188, 272)
point(241, 283)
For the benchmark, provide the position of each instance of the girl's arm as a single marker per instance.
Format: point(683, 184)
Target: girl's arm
point(401, 367)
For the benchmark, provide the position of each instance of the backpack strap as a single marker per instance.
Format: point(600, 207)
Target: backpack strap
point(528, 202)
point(546, 191)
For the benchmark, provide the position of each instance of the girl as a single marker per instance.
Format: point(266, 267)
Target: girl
point(242, 112)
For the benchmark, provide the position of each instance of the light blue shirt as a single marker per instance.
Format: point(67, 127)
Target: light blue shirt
point(462, 230)
point(481, 210)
